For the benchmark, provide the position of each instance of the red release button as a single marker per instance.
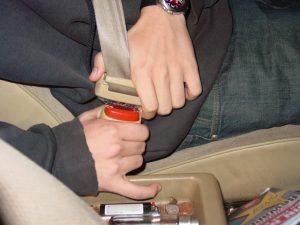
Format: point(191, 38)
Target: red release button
point(122, 113)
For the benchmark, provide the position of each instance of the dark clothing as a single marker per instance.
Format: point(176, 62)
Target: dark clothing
point(51, 43)
point(258, 85)
point(61, 150)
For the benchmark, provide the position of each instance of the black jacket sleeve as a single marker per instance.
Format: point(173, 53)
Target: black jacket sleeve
point(61, 150)
point(53, 41)
point(34, 52)
point(49, 43)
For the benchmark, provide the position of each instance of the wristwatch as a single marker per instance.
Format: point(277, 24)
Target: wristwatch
point(170, 6)
point(174, 6)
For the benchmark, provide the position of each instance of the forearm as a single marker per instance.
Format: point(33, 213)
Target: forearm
point(62, 151)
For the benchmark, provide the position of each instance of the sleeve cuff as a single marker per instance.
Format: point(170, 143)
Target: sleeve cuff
point(145, 3)
point(73, 163)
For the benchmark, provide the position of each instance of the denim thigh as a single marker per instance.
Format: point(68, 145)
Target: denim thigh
point(259, 83)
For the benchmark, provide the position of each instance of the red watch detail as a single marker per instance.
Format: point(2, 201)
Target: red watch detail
point(175, 6)
point(175, 3)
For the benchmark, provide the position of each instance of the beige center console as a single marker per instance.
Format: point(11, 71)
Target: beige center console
point(201, 190)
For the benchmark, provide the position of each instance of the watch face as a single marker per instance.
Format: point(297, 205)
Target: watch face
point(175, 5)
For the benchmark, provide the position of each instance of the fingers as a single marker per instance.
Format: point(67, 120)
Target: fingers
point(177, 89)
point(98, 69)
point(126, 188)
point(89, 115)
point(132, 131)
point(116, 148)
point(128, 148)
point(113, 178)
point(146, 91)
point(132, 148)
point(160, 95)
point(168, 91)
point(162, 89)
point(192, 82)
point(127, 164)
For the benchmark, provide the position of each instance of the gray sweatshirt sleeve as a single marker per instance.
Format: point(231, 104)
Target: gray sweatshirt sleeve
point(61, 150)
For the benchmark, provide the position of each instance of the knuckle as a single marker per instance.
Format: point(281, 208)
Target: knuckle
point(196, 91)
point(148, 116)
point(165, 110)
point(142, 148)
point(151, 107)
point(115, 150)
point(164, 77)
point(139, 161)
point(161, 72)
point(145, 131)
point(179, 103)
point(112, 130)
point(177, 69)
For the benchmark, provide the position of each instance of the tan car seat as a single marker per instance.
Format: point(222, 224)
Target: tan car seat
point(31, 196)
point(25, 106)
point(244, 165)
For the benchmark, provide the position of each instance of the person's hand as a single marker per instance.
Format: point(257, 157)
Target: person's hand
point(163, 65)
point(164, 69)
point(117, 148)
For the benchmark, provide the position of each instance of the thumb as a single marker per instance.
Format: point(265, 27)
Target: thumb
point(98, 69)
point(90, 115)
point(127, 188)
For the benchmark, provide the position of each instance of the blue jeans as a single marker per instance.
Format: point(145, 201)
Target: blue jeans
point(259, 83)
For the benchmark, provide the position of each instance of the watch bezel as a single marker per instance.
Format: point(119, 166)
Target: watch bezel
point(171, 10)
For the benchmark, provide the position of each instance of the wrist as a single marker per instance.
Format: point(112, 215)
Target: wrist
point(156, 11)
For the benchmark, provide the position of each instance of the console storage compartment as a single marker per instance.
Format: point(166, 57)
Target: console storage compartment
point(202, 190)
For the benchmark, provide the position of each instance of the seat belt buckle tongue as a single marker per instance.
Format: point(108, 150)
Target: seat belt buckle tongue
point(117, 90)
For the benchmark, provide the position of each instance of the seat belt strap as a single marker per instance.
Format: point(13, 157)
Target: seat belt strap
point(116, 84)
point(113, 37)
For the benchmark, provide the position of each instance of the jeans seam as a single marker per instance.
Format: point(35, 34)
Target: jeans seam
point(199, 136)
point(216, 112)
